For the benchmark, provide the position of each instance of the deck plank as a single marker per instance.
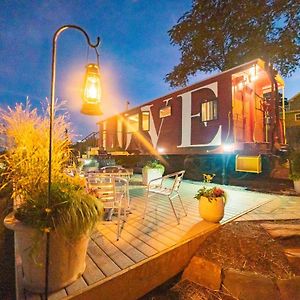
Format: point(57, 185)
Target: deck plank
point(137, 243)
point(152, 242)
point(121, 259)
point(101, 259)
point(92, 273)
point(58, 295)
point(76, 286)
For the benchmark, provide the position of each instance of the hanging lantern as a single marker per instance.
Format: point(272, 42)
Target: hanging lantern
point(92, 91)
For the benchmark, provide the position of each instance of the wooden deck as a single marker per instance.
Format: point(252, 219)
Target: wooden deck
point(150, 250)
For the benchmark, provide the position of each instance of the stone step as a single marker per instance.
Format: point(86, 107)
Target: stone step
point(292, 252)
point(281, 231)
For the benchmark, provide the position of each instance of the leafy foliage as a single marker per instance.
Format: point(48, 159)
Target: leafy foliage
point(154, 164)
point(210, 193)
point(295, 165)
point(218, 35)
point(71, 210)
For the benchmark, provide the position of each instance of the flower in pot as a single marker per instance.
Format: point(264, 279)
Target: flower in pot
point(211, 203)
point(69, 217)
point(295, 169)
point(152, 170)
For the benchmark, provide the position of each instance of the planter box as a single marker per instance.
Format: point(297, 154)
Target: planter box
point(297, 186)
point(150, 174)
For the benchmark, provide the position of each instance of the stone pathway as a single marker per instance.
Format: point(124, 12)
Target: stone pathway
point(280, 208)
point(281, 231)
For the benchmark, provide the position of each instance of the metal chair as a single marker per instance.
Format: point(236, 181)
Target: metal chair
point(168, 186)
point(114, 193)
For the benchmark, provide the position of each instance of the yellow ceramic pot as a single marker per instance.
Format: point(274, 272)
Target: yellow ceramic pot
point(211, 209)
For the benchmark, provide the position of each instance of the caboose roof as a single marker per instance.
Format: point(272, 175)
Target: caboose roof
point(257, 61)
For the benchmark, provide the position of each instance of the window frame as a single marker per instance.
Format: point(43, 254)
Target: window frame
point(215, 114)
point(168, 113)
point(143, 113)
point(128, 130)
point(297, 117)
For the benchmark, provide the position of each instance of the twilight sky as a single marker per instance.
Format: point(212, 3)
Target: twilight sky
point(135, 54)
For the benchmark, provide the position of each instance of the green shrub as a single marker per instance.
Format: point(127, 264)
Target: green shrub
point(154, 164)
point(295, 165)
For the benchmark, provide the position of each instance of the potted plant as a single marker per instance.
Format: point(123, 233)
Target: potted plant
point(153, 169)
point(211, 203)
point(72, 213)
point(295, 169)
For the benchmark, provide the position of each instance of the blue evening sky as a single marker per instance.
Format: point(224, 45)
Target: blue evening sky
point(135, 54)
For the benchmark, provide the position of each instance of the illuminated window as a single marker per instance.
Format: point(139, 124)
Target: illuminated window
point(165, 112)
point(120, 132)
point(145, 120)
point(209, 110)
point(297, 117)
point(133, 123)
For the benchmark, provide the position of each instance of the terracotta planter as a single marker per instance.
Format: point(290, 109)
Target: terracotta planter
point(211, 210)
point(297, 186)
point(67, 259)
point(149, 174)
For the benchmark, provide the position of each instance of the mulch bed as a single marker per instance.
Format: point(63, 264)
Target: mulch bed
point(244, 246)
point(188, 290)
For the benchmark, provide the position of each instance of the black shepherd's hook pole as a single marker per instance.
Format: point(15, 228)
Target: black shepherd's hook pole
point(51, 116)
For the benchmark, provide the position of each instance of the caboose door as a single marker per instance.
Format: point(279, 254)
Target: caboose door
point(242, 115)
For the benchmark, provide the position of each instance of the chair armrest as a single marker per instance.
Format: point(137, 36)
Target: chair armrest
point(175, 174)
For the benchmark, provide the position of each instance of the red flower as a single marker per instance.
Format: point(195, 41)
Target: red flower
point(218, 192)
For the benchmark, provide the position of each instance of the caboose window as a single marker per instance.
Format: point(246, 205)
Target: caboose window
point(297, 117)
point(133, 123)
point(165, 112)
point(145, 120)
point(209, 110)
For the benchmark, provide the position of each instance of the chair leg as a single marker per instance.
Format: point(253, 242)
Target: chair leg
point(119, 220)
point(178, 220)
point(182, 205)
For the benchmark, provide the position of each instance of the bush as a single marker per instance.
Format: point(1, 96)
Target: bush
point(71, 210)
point(154, 164)
point(295, 165)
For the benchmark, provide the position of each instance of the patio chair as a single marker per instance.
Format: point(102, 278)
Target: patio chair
point(168, 186)
point(114, 193)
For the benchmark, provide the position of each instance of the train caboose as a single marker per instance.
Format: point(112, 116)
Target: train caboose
point(237, 114)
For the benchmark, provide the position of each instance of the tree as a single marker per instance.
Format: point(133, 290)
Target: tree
point(216, 35)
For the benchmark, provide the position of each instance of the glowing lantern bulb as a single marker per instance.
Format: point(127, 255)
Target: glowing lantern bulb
point(92, 91)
